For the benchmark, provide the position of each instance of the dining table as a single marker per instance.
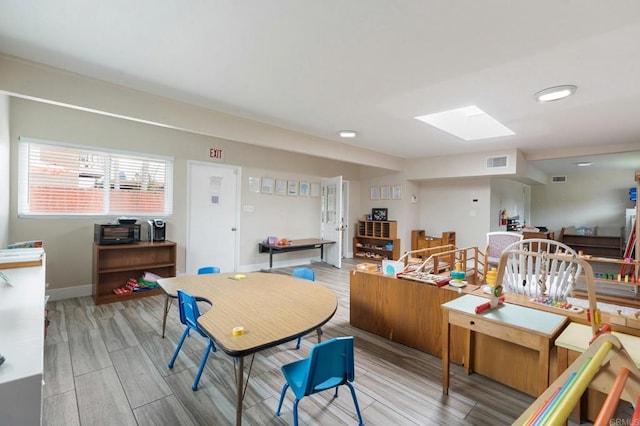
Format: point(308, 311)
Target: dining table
point(254, 311)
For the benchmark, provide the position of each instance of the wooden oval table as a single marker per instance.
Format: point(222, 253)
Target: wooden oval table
point(272, 309)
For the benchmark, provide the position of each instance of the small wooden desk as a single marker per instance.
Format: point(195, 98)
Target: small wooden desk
point(522, 326)
point(295, 245)
point(272, 309)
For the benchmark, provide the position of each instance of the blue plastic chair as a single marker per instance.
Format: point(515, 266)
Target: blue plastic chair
point(201, 271)
point(329, 365)
point(208, 270)
point(189, 314)
point(307, 274)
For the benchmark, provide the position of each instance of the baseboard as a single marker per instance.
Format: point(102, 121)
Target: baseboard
point(69, 292)
point(279, 264)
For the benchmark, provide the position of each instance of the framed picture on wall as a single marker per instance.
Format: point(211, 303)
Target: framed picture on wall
point(375, 193)
point(254, 184)
point(304, 189)
point(281, 187)
point(267, 185)
point(292, 188)
point(396, 192)
point(315, 189)
point(385, 192)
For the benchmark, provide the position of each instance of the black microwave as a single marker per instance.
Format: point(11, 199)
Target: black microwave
point(116, 233)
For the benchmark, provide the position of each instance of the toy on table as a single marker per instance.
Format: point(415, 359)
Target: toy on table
point(491, 276)
point(497, 299)
point(458, 275)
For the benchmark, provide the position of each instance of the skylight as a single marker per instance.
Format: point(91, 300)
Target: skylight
point(468, 123)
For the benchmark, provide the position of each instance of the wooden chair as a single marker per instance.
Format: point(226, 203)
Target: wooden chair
point(534, 273)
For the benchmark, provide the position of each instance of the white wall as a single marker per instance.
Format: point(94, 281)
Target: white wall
point(69, 241)
point(450, 206)
point(511, 196)
point(4, 170)
point(401, 210)
point(591, 197)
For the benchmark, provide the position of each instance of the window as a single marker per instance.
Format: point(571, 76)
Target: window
point(69, 180)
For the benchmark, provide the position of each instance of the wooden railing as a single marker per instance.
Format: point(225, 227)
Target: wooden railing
point(442, 259)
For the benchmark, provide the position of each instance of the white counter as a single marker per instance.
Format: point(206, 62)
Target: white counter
point(22, 344)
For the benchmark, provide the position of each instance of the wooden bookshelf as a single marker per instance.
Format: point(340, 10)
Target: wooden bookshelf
point(376, 240)
point(114, 264)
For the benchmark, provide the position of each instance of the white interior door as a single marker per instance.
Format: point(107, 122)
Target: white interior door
point(332, 220)
point(213, 197)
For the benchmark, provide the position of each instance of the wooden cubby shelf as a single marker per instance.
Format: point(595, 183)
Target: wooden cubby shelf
point(114, 264)
point(376, 240)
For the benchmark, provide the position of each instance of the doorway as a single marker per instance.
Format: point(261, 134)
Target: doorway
point(212, 216)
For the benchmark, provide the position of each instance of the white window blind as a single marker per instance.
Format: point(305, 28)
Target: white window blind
point(70, 180)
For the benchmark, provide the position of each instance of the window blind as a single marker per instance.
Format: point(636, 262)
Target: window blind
point(70, 180)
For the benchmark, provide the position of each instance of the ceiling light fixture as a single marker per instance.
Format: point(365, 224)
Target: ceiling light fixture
point(555, 93)
point(347, 134)
point(584, 163)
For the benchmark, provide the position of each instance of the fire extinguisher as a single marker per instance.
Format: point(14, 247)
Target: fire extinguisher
point(503, 217)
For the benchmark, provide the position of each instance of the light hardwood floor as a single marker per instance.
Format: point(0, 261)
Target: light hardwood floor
point(107, 365)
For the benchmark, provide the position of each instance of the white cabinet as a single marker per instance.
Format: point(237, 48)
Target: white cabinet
point(22, 319)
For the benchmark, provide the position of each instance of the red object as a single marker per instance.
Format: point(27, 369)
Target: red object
point(604, 329)
point(487, 305)
point(635, 420)
point(442, 283)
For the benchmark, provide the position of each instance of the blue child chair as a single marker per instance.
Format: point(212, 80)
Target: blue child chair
point(208, 270)
point(329, 365)
point(306, 274)
point(189, 314)
point(201, 271)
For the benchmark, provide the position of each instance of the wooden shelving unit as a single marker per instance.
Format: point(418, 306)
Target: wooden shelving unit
point(114, 264)
point(608, 288)
point(595, 245)
point(376, 240)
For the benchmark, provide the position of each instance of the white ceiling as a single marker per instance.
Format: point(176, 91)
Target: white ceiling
point(317, 67)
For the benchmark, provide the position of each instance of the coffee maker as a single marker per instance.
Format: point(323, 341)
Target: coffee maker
point(156, 230)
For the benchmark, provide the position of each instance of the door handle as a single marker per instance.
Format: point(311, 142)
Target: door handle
point(233, 229)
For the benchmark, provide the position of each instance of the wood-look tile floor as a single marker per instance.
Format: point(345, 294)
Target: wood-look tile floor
point(107, 365)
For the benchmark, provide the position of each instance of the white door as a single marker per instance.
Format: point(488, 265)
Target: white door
point(332, 221)
point(212, 216)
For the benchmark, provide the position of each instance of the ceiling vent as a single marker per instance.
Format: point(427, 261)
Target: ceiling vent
point(558, 179)
point(497, 162)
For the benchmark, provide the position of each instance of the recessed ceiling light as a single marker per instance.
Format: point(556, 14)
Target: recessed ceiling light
point(468, 123)
point(555, 93)
point(347, 134)
point(584, 163)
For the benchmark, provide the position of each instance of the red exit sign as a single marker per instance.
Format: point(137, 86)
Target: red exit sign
point(215, 153)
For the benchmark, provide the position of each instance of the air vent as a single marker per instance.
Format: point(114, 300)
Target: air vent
point(558, 179)
point(496, 162)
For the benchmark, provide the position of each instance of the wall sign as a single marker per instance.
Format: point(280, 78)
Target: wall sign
point(215, 153)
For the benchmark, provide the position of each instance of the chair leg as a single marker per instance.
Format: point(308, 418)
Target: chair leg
point(295, 412)
point(175, 353)
point(298, 344)
point(355, 402)
point(202, 363)
point(284, 390)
